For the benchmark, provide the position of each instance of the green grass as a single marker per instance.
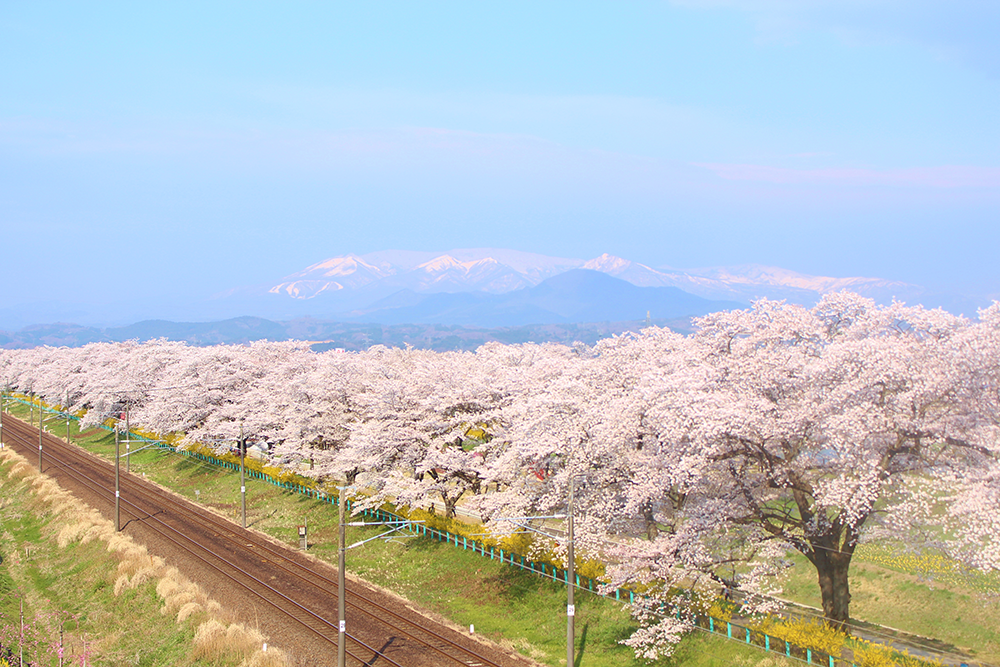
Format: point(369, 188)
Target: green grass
point(958, 616)
point(516, 609)
point(917, 594)
point(72, 588)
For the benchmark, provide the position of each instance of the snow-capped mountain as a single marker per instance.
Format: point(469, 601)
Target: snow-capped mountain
point(755, 274)
point(490, 270)
point(332, 275)
point(447, 274)
point(644, 276)
point(366, 278)
point(503, 287)
point(750, 281)
point(532, 265)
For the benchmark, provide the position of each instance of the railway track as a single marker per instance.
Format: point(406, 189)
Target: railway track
point(285, 580)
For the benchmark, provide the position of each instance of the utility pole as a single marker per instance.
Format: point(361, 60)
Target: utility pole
point(395, 527)
point(39, 435)
point(20, 643)
point(570, 580)
point(128, 443)
point(243, 480)
point(67, 415)
point(341, 586)
point(118, 465)
point(524, 524)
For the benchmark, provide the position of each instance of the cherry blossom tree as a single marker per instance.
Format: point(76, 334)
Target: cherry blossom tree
point(421, 432)
point(464, 411)
point(799, 424)
point(966, 483)
point(774, 428)
point(319, 407)
point(214, 394)
point(696, 461)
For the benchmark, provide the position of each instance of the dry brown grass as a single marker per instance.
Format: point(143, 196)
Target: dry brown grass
point(214, 640)
point(271, 658)
point(180, 593)
point(20, 469)
point(755, 661)
point(74, 521)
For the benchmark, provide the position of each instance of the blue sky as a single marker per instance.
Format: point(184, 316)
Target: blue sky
point(181, 149)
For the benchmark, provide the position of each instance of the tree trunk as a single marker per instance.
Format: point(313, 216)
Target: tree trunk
point(652, 530)
point(450, 505)
point(832, 567)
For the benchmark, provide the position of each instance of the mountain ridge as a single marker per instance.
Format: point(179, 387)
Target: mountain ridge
point(577, 295)
point(348, 285)
point(323, 334)
point(499, 271)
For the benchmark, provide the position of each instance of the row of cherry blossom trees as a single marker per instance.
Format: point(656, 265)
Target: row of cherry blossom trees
point(694, 457)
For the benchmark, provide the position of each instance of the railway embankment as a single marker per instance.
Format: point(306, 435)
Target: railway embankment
point(73, 591)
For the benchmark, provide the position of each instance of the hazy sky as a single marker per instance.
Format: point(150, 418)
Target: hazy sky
point(184, 148)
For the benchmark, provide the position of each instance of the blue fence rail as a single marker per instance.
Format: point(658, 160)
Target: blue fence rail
point(703, 622)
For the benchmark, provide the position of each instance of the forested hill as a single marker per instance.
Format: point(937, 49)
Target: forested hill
point(327, 334)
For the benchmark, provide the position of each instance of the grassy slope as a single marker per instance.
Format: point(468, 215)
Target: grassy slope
point(515, 609)
point(77, 583)
point(951, 612)
point(526, 612)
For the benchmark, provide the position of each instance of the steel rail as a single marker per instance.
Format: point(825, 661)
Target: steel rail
point(23, 440)
point(211, 521)
point(276, 558)
point(240, 540)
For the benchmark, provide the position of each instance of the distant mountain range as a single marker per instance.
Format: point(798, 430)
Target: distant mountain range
point(578, 295)
point(580, 304)
point(477, 288)
point(324, 335)
point(497, 271)
point(489, 285)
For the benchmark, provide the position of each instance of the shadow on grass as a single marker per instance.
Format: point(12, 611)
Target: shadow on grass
point(582, 646)
point(505, 582)
point(195, 467)
point(425, 544)
point(251, 524)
